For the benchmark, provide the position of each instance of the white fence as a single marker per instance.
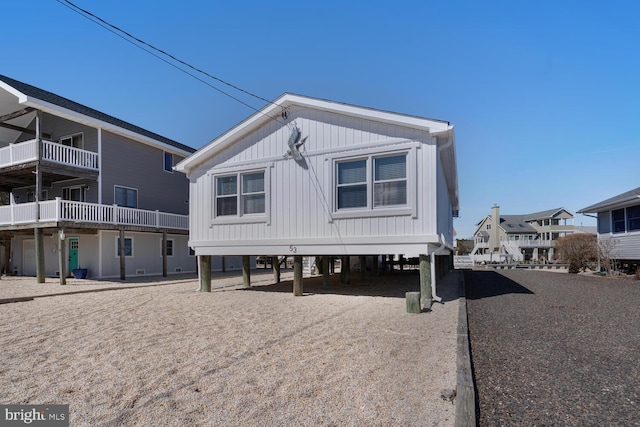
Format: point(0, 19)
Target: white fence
point(81, 212)
point(24, 152)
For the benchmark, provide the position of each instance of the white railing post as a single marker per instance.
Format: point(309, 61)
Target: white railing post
point(58, 208)
point(157, 218)
point(115, 213)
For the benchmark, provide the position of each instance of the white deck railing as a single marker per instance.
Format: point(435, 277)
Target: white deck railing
point(81, 212)
point(23, 152)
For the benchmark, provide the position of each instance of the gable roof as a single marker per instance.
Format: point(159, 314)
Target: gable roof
point(442, 130)
point(273, 111)
point(515, 224)
point(613, 202)
point(60, 106)
point(551, 213)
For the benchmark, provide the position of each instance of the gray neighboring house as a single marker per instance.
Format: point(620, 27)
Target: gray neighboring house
point(619, 221)
point(107, 190)
point(524, 237)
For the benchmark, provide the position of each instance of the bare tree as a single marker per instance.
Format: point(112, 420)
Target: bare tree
point(4, 198)
point(607, 254)
point(580, 251)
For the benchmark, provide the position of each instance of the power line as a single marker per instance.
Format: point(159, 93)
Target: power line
point(149, 48)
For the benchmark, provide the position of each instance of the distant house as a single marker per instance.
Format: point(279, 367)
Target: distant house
point(306, 176)
point(105, 186)
point(520, 237)
point(619, 221)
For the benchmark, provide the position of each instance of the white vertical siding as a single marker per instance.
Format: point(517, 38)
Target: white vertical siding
point(300, 194)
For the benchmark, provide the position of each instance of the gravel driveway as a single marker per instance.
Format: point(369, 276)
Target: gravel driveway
point(554, 349)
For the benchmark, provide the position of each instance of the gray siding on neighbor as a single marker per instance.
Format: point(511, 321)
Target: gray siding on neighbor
point(131, 164)
point(59, 127)
point(604, 222)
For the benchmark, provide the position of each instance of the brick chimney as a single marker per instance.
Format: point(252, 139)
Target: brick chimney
point(494, 236)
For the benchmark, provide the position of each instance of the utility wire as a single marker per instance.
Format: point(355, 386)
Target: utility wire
point(150, 48)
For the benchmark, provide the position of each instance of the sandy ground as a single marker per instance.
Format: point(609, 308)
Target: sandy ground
point(165, 355)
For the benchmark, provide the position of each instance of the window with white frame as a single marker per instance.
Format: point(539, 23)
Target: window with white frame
point(371, 182)
point(168, 162)
point(125, 197)
point(633, 218)
point(75, 141)
point(128, 247)
point(76, 194)
point(169, 247)
point(617, 217)
point(240, 194)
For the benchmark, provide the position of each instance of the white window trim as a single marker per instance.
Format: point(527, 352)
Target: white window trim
point(71, 137)
point(173, 248)
point(412, 178)
point(128, 188)
point(164, 154)
point(132, 247)
point(83, 192)
point(241, 218)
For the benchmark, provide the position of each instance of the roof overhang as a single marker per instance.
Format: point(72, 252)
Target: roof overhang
point(56, 110)
point(605, 205)
point(275, 109)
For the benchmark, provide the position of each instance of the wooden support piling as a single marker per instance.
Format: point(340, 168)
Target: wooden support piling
point(325, 272)
point(363, 267)
point(425, 282)
point(164, 254)
point(123, 275)
point(376, 269)
point(297, 275)
point(204, 268)
point(39, 246)
point(345, 270)
point(275, 263)
point(246, 270)
point(62, 258)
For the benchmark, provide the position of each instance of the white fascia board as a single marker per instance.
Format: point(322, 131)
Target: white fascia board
point(275, 108)
point(22, 98)
point(604, 207)
point(92, 122)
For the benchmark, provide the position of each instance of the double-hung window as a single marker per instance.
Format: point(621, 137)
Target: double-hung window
point(633, 218)
point(618, 221)
point(126, 197)
point(372, 182)
point(240, 194)
point(168, 162)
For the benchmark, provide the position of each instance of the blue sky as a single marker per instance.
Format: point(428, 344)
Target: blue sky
point(544, 96)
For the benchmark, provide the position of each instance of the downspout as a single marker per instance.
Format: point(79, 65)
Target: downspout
point(434, 296)
point(441, 148)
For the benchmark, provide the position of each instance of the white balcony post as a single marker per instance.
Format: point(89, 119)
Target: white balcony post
point(58, 206)
point(115, 213)
point(157, 218)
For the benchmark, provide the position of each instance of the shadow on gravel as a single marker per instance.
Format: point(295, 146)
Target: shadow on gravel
point(486, 284)
point(393, 285)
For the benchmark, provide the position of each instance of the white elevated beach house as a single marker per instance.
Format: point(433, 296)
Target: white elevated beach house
point(524, 237)
point(311, 177)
